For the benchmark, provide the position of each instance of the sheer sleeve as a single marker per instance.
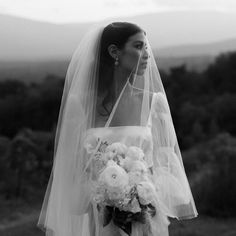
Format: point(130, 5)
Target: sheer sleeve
point(168, 170)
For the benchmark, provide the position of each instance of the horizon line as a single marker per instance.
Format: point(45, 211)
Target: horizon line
point(66, 22)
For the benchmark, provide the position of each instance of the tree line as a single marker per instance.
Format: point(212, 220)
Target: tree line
point(203, 111)
point(202, 104)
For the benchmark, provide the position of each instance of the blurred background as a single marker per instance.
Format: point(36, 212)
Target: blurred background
point(194, 43)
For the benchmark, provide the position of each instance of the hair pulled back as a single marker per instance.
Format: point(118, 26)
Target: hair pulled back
point(116, 33)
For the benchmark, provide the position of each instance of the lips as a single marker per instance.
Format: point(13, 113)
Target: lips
point(144, 64)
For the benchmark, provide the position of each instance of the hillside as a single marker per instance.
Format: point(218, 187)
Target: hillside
point(24, 39)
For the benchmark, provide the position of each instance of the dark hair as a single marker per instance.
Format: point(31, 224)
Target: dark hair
point(116, 33)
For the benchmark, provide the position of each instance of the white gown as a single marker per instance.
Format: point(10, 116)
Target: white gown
point(168, 176)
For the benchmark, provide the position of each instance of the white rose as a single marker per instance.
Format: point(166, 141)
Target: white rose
point(111, 163)
point(139, 166)
point(135, 153)
point(127, 163)
point(109, 155)
point(136, 178)
point(114, 178)
point(117, 148)
point(146, 192)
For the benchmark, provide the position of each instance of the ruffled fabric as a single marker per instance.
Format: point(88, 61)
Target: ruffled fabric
point(168, 169)
point(159, 144)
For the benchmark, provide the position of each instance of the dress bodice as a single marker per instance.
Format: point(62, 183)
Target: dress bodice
point(159, 130)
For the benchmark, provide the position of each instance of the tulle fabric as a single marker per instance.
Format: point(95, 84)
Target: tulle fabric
point(67, 198)
point(68, 208)
point(169, 174)
point(139, 136)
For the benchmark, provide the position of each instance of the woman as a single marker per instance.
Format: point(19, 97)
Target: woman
point(113, 97)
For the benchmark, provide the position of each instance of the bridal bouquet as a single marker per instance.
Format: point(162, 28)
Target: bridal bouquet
point(124, 192)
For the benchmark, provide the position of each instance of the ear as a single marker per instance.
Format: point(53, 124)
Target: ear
point(113, 51)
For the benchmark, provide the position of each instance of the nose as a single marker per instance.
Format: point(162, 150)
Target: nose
point(145, 53)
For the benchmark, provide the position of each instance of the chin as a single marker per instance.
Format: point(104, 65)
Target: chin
point(141, 72)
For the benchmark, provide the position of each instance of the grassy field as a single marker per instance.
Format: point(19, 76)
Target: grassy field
point(20, 219)
point(202, 226)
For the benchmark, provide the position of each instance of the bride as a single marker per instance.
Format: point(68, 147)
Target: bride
point(113, 109)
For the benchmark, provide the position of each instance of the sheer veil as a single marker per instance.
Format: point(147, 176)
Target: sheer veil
point(141, 102)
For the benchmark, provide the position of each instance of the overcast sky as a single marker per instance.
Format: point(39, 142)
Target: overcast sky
point(63, 11)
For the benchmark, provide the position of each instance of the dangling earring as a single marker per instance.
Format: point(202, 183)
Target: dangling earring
point(117, 61)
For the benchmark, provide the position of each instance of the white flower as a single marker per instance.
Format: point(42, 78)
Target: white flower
point(109, 155)
point(111, 163)
point(146, 192)
point(137, 171)
point(117, 148)
point(90, 144)
point(135, 153)
point(115, 196)
point(138, 166)
point(114, 178)
point(120, 160)
point(136, 178)
point(127, 163)
point(99, 195)
point(112, 156)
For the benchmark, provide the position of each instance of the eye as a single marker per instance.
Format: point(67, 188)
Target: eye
point(139, 46)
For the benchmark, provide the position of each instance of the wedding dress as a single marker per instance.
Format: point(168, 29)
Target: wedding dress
point(164, 170)
point(140, 117)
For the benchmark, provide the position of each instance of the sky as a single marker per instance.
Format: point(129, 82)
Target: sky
point(73, 11)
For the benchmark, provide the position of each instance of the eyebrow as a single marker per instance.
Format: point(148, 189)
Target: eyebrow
point(138, 41)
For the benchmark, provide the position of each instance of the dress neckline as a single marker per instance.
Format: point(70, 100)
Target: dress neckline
point(127, 126)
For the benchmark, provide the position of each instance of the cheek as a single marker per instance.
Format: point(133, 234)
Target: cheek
point(131, 58)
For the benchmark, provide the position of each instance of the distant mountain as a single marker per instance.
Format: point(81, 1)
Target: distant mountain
point(192, 63)
point(196, 57)
point(29, 50)
point(23, 39)
point(30, 71)
point(176, 28)
point(208, 49)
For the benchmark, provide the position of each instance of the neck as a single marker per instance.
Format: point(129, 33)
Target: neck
point(120, 78)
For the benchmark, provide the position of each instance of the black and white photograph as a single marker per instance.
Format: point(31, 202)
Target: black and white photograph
point(117, 118)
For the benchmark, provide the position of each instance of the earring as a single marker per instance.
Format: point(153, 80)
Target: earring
point(117, 61)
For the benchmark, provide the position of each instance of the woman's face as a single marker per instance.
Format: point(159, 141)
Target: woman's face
point(134, 56)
